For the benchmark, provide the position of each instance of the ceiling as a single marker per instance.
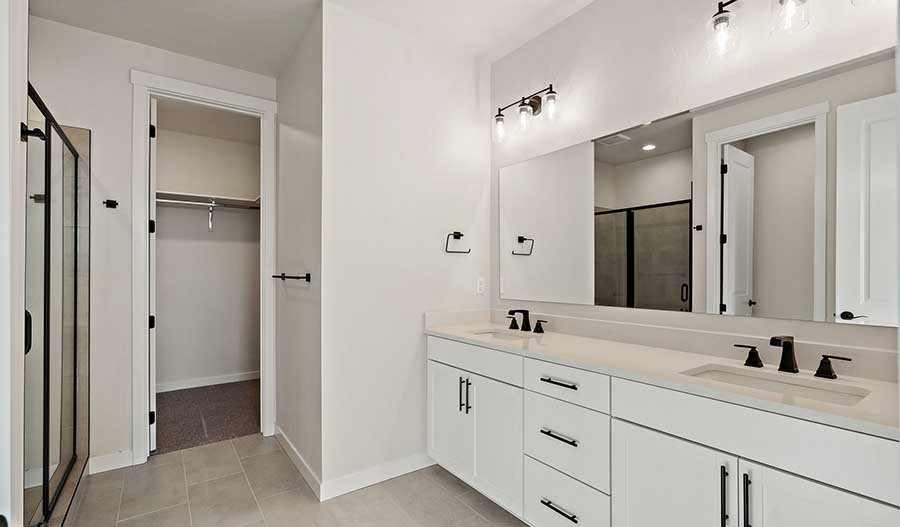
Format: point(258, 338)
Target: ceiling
point(253, 35)
point(261, 35)
point(669, 135)
point(203, 120)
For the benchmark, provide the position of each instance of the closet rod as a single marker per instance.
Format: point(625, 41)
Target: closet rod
point(208, 204)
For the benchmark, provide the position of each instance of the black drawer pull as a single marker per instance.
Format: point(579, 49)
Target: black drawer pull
point(559, 437)
point(468, 406)
point(723, 478)
point(561, 384)
point(559, 510)
point(461, 384)
point(747, 500)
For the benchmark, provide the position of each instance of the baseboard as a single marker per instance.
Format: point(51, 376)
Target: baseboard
point(371, 476)
point(311, 479)
point(120, 459)
point(206, 381)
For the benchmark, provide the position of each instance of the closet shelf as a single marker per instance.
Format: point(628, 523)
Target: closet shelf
point(197, 200)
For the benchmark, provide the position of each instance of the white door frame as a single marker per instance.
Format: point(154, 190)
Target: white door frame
point(144, 86)
point(815, 114)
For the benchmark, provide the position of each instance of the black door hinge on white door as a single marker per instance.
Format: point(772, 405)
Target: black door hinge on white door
point(152, 321)
point(25, 133)
point(152, 131)
point(723, 239)
point(152, 418)
point(152, 226)
point(723, 168)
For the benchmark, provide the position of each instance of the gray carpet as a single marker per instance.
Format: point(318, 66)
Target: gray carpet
point(197, 416)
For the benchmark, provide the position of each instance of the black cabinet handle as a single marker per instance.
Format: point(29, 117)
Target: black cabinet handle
point(559, 437)
point(559, 510)
point(723, 478)
point(27, 331)
point(468, 406)
point(461, 383)
point(307, 277)
point(747, 500)
point(562, 384)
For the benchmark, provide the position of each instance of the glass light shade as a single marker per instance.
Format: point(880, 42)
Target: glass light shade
point(790, 16)
point(499, 127)
point(724, 34)
point(525, 113)
point(550, 105)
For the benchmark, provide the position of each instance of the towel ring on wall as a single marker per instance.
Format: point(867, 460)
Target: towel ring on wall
point(523, 239)
point(456, 235)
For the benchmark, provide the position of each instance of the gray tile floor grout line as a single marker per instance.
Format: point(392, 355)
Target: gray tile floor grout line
point(187, 491)
point(247, 479)
point(121, 497)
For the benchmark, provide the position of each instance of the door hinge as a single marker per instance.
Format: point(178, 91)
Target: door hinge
point(723, 308)
point(152, 226)
point(723, 169)
point(152, 321)
point(723, 239)
point(152, 418)
point(152, 131)
point(25, 133)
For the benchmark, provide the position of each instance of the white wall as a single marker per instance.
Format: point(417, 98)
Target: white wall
point(207, 282)
point(299, 226)
point(195, 164)
point(405, 162)
point(84, 79)
point(619, 64)
point(549, 199)
point(657, 179)
point(13, 97)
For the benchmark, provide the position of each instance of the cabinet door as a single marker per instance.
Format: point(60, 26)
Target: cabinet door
point(661, 480)
point(772, 498)
point(497, 412)
point(451, 440)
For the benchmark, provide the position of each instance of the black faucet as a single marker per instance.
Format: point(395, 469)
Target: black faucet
point(788, 358)
point(526, 322)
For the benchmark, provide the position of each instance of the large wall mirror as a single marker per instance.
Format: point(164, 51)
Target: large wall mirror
point(777, 204)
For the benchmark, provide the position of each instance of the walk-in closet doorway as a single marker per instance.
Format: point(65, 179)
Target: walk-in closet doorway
point(203, 177)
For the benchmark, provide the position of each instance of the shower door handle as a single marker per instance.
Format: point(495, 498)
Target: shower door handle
point(27, 332)
point(684, 292)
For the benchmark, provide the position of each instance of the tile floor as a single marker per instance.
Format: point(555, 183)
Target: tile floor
point(250, 482)
point(199, 416)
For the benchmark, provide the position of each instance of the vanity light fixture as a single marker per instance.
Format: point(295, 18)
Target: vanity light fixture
point(648, 147)
point(790, 16)
point(724, 30)
point(528, 107)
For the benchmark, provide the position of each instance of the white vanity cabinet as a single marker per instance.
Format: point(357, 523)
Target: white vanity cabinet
point(475, 429)
point(772, 498)
point(662, 480)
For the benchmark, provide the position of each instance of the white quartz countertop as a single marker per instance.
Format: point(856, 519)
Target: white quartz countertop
point(876, 414)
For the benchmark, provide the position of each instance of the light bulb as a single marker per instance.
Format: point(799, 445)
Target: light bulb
point(648, 147)
point(499, 127)
point(790, 16)
point(550, 103)
point(525, 113)
point(724, 38)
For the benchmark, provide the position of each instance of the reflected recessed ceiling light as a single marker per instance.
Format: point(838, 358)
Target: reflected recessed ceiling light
point(647, 148)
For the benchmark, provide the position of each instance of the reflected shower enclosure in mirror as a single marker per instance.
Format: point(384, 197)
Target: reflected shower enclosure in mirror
point(777, 204)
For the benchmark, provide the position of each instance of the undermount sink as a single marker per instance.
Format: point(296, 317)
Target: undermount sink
point(505, 334)
point(787, 384)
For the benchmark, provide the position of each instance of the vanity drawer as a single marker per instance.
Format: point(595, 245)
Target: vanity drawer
point(569, 438)
point(506, 367)
point(581, 387)
point(553, 499)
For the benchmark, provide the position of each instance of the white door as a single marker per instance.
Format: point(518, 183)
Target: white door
point(866, 243)
point(451, 426)
point(152, 293)
point(661, 480)
point(737, 268)
point(779, 499)
point(497, 411)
